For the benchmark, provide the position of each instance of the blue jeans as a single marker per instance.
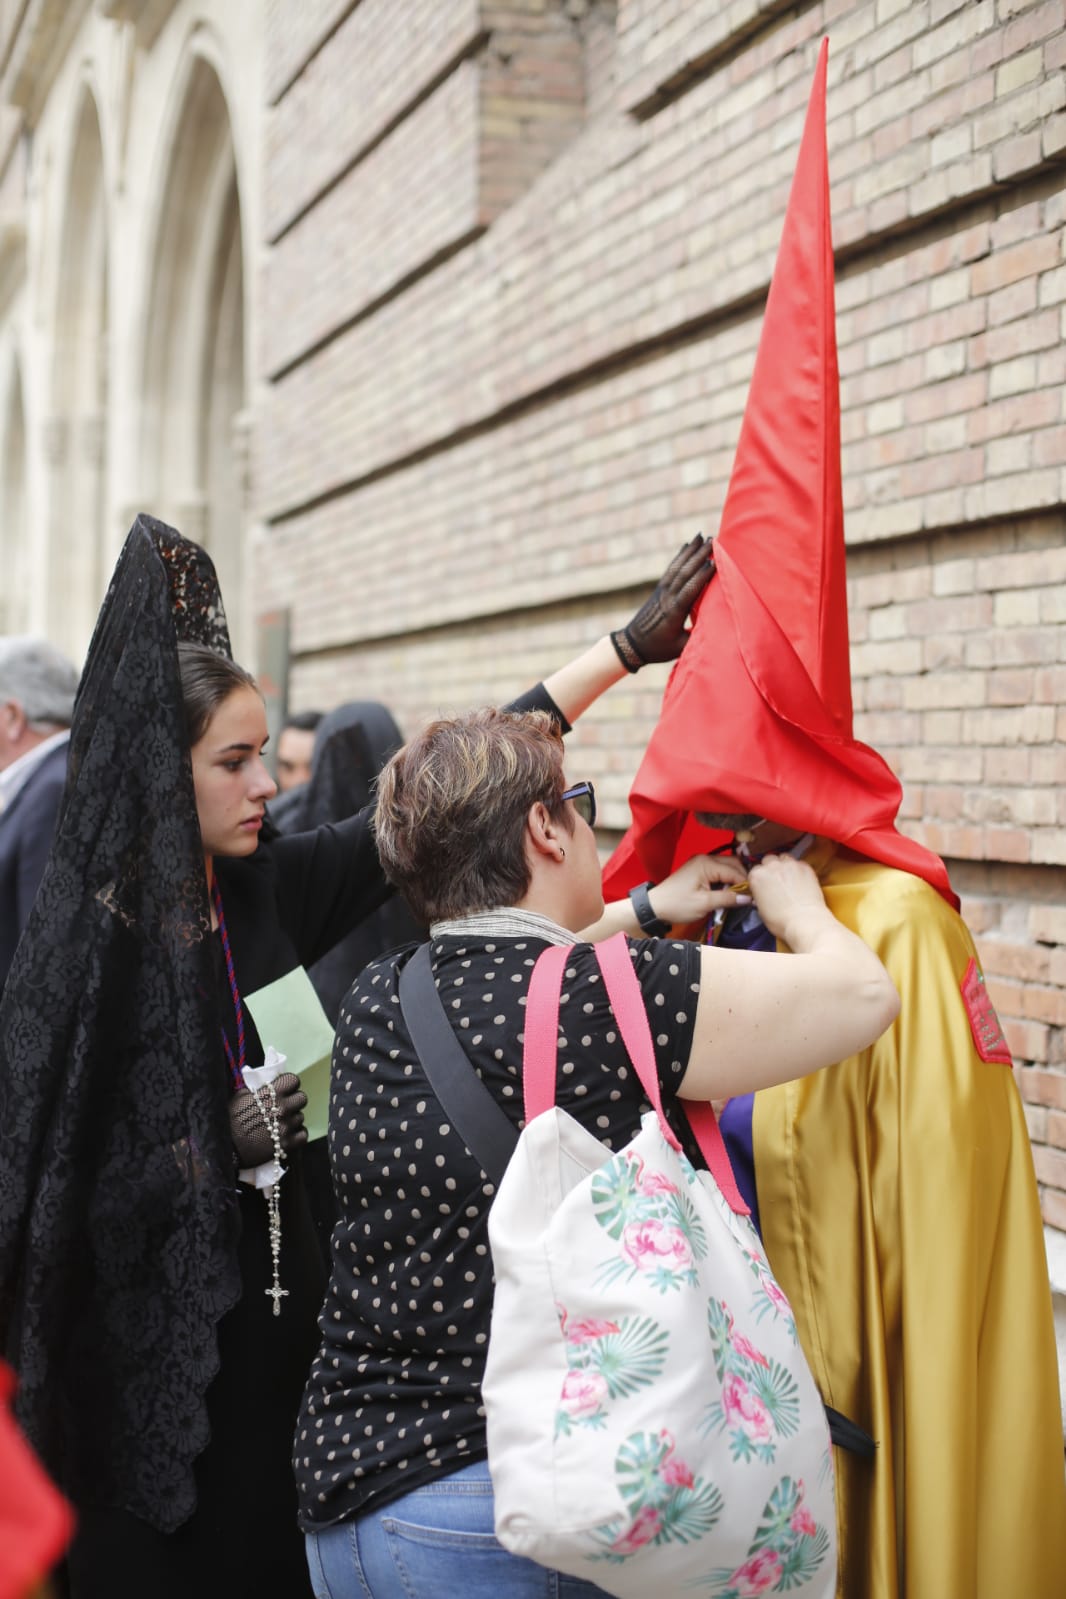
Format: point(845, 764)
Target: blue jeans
point(435, 1543)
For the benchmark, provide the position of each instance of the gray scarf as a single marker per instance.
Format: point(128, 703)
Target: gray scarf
point(506, 922)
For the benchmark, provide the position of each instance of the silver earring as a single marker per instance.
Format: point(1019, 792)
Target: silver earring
point(562, 852)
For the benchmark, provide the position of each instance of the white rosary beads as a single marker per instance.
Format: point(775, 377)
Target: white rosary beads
point(272, 1194)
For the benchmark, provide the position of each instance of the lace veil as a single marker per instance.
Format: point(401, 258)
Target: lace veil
point(118, 1219)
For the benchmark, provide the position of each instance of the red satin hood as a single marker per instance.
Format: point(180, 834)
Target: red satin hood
point(757, 713)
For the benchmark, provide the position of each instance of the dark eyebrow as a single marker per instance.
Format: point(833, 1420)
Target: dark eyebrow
point(228, 749)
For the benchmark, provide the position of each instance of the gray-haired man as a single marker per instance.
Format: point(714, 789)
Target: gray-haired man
point(37, 687)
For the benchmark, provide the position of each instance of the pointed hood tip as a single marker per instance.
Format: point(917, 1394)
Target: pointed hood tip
point(767, 674)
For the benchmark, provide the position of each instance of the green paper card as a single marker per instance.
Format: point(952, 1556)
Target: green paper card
point(288, 1014)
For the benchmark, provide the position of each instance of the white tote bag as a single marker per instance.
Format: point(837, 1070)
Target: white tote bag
point(653, 1427)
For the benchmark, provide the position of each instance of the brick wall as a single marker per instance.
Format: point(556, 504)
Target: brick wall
point(516, 260)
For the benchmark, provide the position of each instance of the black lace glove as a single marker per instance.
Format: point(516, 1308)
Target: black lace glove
point(658, 632)
point(248, 1126)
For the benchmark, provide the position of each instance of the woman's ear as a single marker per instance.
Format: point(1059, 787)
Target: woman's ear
point(545, 835)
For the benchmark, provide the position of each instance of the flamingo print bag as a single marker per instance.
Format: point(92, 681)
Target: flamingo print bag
point(653, 1426)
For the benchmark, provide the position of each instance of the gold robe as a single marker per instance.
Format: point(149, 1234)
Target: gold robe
point(900, 1213)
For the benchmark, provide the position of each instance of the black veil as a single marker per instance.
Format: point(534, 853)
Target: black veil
point(118, 1219)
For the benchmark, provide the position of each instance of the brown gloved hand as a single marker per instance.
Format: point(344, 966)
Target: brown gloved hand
point(249, 1128)
point(657, 632)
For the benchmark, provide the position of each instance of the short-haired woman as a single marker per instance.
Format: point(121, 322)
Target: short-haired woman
point(161, 1312)
point(477, 825)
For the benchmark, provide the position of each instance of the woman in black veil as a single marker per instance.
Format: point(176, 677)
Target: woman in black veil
point(134, 1269)
point(161, 1346)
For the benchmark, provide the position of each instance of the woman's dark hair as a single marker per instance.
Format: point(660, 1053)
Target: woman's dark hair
point(452, 805)
point(207, 679)
point(302, 721)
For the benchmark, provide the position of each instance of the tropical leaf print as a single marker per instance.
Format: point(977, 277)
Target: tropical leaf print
point(633, 1356)
point(644, 1258)
point(760, 1400)
point(616, 1197)
point(788, 1548)
point(777, 1389)
point(638, 1464)
point(720, 1327)
point(665, 1502)
point(682, 1213)
point(653, 1219)
point(801, 1559)
point(778, 1511)
point(607, 1360)
point(769, 1298)
point(751, 1430)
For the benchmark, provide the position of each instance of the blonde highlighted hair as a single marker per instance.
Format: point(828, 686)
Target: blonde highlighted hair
point(452, 805)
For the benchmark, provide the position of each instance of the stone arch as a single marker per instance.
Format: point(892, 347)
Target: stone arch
point(193, 383)
point(15, 614)
point(75, 440)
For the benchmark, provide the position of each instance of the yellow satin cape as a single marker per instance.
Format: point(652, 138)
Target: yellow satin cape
point(900, 1213)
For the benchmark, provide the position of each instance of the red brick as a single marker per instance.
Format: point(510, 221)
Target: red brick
point(1010, 687)
point(1041, 1086)
point(1028, 963)
point(1008, 266)
point(1050, 1166)
point(1027, 1040)
point(1041, 22)
point(1049, 447)
point(1048, 923)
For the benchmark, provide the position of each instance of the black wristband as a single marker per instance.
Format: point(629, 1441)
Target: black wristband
point(627, 651)
point(651, 924)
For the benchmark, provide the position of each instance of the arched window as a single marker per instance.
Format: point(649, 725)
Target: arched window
point(193, 389)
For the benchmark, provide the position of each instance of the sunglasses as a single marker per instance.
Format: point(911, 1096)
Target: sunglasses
point(583, 796)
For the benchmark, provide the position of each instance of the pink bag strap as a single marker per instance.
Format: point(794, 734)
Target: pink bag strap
point(708, 1134)
point(627, 1002)
point(541, 1045)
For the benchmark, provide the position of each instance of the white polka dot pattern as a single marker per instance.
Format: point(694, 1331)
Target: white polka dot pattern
point(394, 1394)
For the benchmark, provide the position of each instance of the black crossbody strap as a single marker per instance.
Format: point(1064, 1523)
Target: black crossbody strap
point(484, 1128)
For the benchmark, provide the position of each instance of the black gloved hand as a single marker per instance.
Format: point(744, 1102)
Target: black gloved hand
point(248, 1126)
point(658, 632)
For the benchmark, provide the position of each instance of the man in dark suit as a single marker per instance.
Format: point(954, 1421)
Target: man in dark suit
point(37, 687)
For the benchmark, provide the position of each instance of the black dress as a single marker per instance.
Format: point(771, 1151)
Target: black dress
point(283, 907)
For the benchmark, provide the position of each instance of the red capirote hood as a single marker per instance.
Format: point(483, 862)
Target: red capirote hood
point(757, 713)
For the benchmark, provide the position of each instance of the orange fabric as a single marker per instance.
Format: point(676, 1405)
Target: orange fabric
point(757, 712)
point(35, 1521)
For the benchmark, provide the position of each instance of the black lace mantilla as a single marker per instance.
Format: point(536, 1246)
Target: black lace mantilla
point(118, 1219)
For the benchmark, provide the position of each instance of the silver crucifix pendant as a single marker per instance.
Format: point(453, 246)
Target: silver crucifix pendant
point(277, 1294)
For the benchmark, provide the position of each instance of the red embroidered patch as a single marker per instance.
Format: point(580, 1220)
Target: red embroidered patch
point(984, 1023)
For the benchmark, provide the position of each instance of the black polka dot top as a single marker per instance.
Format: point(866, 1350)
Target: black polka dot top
point(394, 1395)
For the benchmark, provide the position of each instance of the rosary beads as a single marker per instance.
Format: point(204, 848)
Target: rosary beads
point(272, 1194)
